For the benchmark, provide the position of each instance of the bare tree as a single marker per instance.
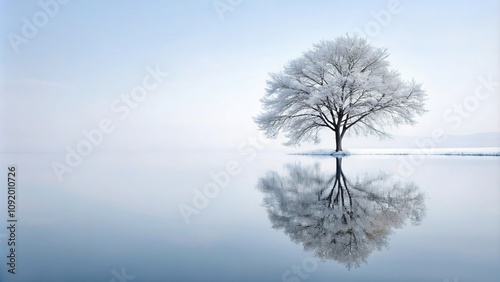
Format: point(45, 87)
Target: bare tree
point(336, 218)
point(343, 85)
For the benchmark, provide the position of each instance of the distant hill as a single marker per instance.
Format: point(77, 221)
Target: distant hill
point(479, 140)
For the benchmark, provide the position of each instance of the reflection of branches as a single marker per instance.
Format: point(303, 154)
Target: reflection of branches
point(336, 218)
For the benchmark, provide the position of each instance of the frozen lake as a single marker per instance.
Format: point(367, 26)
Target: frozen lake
point(268, 217)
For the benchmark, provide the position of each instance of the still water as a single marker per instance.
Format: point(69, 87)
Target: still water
point(269, 217)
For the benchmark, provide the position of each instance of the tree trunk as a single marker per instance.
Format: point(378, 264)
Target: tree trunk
point(338, 141)
point(338, 166)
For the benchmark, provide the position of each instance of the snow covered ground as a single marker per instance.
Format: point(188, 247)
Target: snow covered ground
point(489, 151)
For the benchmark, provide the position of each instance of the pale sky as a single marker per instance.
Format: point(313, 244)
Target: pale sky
point(68, 73)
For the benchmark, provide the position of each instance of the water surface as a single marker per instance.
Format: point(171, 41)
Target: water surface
point(269, 218)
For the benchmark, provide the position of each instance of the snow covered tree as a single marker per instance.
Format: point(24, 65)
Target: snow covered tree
point(337, 218)
point(345, 85)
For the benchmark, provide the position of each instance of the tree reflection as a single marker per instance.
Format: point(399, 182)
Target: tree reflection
point(338, 218)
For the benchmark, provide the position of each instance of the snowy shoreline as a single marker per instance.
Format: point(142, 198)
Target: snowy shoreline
point(492, 152)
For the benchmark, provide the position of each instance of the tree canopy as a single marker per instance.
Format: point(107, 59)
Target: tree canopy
point(345, 85)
